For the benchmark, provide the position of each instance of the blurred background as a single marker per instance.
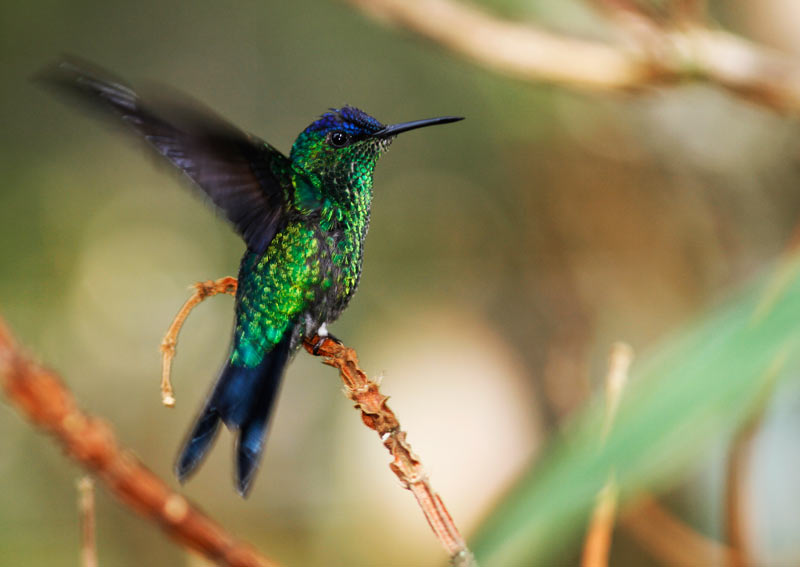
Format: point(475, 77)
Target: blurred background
point(506, 253)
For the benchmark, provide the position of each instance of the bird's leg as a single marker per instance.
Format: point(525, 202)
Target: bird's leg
point(322, 335)
point(202, 290)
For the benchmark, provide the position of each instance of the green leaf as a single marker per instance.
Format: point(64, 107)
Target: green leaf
point(696, 388)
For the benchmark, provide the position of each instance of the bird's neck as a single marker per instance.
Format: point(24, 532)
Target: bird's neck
point(347, 206)
point(342, 189)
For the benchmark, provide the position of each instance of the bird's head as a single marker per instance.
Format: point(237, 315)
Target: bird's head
point(343, 145)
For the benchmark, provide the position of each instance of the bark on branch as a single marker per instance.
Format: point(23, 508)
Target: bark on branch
point(405, 464)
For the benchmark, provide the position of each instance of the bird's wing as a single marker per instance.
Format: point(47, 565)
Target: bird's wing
point(238, 172)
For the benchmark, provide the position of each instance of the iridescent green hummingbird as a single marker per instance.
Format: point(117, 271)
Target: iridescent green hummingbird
point(303, 218)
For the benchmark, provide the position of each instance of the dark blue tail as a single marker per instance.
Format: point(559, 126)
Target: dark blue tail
point(242, 398)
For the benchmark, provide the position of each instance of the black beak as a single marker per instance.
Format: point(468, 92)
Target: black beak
point(395, 129)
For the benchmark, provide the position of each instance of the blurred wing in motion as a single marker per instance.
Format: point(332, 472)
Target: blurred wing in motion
point(237, 171)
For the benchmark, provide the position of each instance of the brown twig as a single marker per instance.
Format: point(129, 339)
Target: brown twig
point(86, 510)
point(41, 397)
point(671, 540)
point(530, 53)
point(597, 545)
point(405, 464)
point(739, 456)
point(738, 459)
point(202, 291)
point(598, 539)
point(736, 530)
point(374, 412)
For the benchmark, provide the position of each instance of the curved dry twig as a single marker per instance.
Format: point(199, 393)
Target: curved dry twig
point(43, 399)
point(202, 291)
point(530, 53)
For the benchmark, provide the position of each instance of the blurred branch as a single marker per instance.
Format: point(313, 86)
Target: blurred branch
point(42, 398)
point(598, 539)
point(521, 51)
point(619, 362)
point(672, 541)
point(406, 465)
point(374, 412)
point(86, 509)
point(735, 525)
point(738, 460)
point(668, 12)
point(597, 545)
point(530, 53)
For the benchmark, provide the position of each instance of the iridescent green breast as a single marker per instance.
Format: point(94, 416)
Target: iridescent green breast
point(274, 290)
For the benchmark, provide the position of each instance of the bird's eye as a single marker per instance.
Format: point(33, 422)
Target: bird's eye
point(338, 139)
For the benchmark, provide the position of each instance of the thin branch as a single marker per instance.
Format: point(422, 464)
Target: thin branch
point(670, 540)
point(530, 53)
point(619, 362)
point(405, 464)
point(42, 398)
point(598, 539)
point(86, 510)
point(597, 545)
point(738, 459)
point(374, 412)
point(202, 290)
point(735, 527)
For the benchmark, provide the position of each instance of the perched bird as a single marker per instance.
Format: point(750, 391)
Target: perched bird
point(303, 218)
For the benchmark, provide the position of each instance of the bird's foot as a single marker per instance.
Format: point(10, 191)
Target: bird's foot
point(321, 338)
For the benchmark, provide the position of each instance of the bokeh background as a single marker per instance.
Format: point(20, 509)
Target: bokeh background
point(506, 253)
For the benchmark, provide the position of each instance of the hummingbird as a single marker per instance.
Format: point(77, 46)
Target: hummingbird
point(303, 219)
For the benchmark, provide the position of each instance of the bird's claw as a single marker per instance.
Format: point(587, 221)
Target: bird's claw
point(321, 340)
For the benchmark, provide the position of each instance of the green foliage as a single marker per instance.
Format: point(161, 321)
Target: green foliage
point(697, 388)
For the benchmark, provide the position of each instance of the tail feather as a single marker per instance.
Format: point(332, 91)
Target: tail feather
point(202, 437)
point(242, 398)
point(253, 430)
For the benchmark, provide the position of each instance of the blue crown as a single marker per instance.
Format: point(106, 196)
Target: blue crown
point(348, 118)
